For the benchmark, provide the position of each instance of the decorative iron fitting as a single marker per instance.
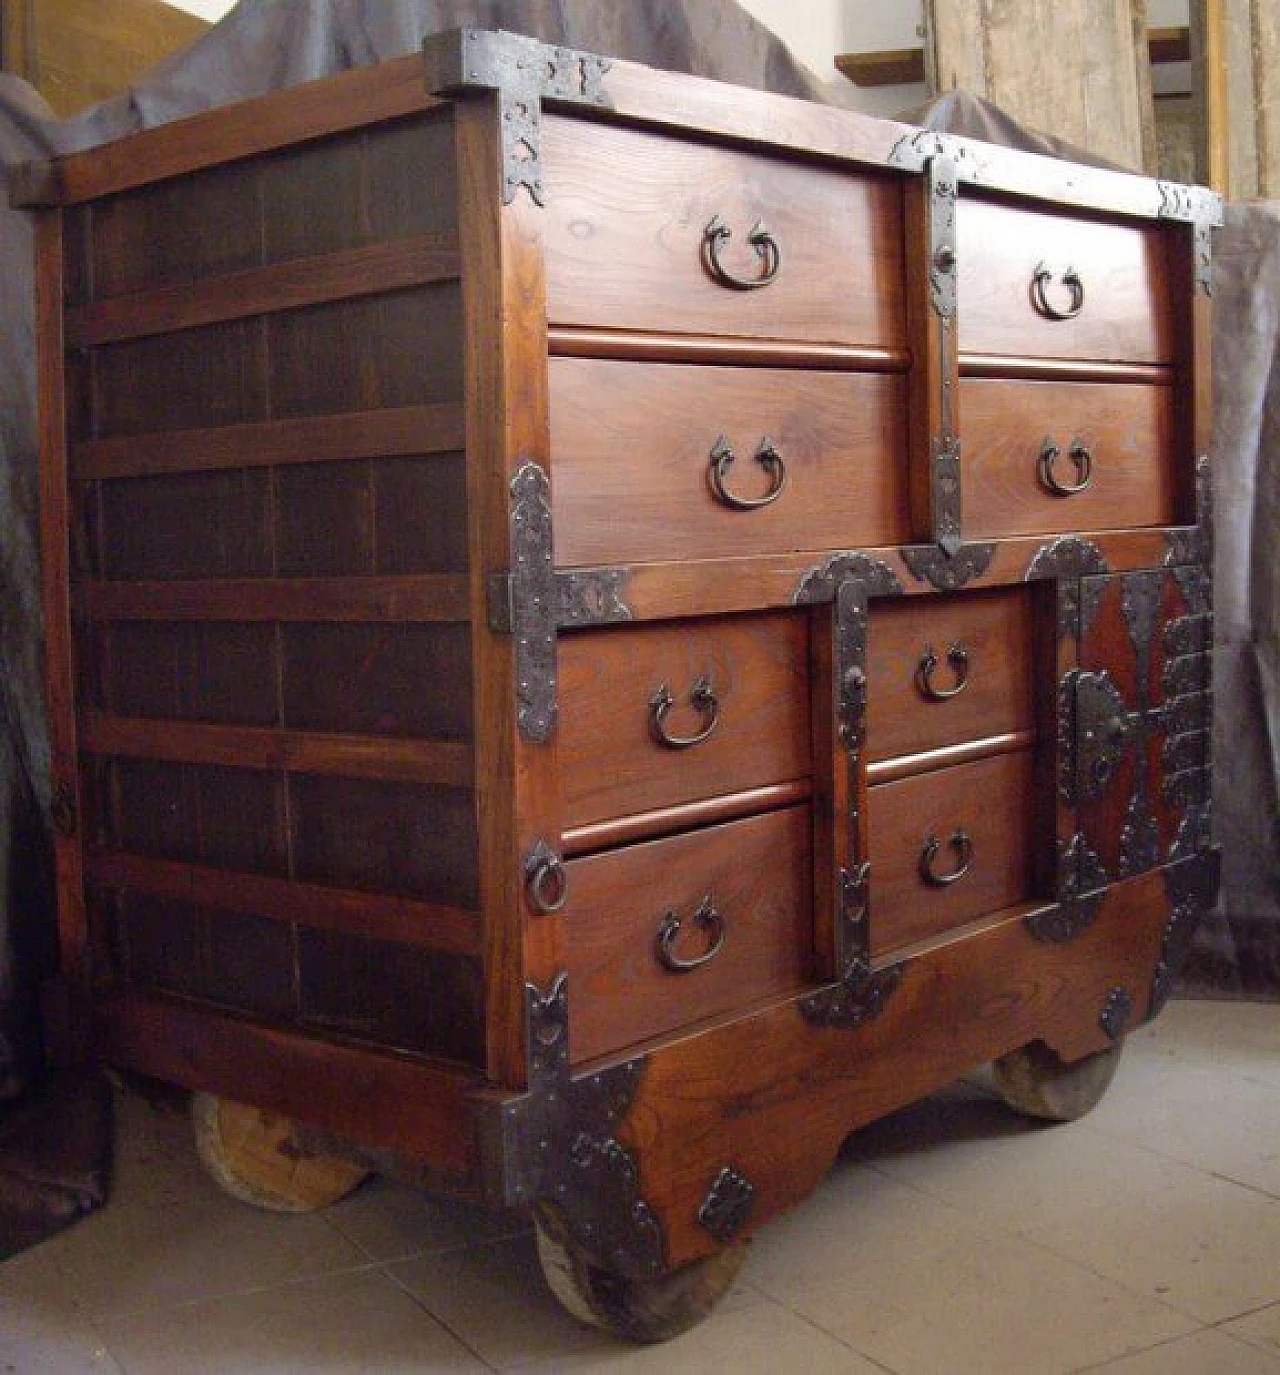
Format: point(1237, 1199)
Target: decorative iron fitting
point(1116, 1012)
point(1190, 788)
point(914, 152)
point(1192, 890)
point(860, 996)
point(1065, 920)
point(1191, 204)
point(947, 572)
point(1140, 835)
point(534, 603)
point(1140, 601)
point(727, 1205)
point(560, 1149)
point(820, 584)
point(1195, 834)
point(1192, 712)
point(1194, 544)
point(523, 73)
point(852, 941)
point(941, 180)
point(944, 492)
point(1094, 730)
point(546, 881)
point(1187, 673)
point(1189, 634)
point(1181, 752)
point(592, 596)
point(1073, 562)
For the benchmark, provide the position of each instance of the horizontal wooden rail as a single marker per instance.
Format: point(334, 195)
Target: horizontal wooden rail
point(368, 271)
point(908, 765)
point(600, 835)
point(417, 597)
point(421, 1110)
point(441, 763)
point(379, 916)
point(644, 346)
point(396, 432)
point(1064, 369)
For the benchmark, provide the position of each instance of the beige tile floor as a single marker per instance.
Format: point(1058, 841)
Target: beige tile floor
point(951, 1238)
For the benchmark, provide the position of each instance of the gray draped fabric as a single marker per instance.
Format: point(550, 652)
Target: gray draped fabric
point(267, 44)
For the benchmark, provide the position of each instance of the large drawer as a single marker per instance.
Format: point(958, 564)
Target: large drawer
point(1122, 436)
point(634, 446)
point(626, 238)
point(1014, 277)
point(944, 670)
point(750, 880)
point(742, 681)
point(979, 812)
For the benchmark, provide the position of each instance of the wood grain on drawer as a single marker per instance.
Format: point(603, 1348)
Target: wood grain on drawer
point(755, 708)
point(989, 802)
point(627, 212)
point(1128, 430)
point(980, 642)
point(1125, 313)
point(632, 447)
point(756, 875)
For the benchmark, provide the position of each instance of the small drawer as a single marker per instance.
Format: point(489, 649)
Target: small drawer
point(1040, 285)
point(742, 682)
point(945, 670)
point(1028, 444)
point(642, 923)
point(630, 242)
point(640, 471)
point(969, 827)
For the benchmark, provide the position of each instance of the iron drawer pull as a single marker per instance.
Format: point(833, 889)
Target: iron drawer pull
point(767, 456)
point(715, 238)
point(547, 880)
point(1079, 454)
point(958, 658)
point(668, 932)
point(704, 701)
point(1040, 292)
point(962, 844)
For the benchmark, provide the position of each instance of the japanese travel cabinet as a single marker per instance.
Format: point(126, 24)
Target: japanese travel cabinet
point(606, 630)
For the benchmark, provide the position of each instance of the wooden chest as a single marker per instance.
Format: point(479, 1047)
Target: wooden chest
point(606, 630)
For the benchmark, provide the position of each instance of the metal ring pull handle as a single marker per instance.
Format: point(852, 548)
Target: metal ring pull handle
point(715, 238)
point(962, 844)
point(958, 658)
point(709, 920)
point(1070, 279)
point(547, 881)
point(1079, 453)
point(704, 701)
point(767, 456)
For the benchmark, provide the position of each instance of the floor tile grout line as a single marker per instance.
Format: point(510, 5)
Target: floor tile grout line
point(448, 1327)
point(1137, 1351)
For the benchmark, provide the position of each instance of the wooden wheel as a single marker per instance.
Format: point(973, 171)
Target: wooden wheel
point(251, 1154)
point(636, 1310)
point(1035, 1081)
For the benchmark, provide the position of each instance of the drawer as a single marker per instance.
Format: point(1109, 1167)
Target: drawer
point(753, 878)
point(987, 802)
point(625, 234)
point(1127, 430)
point(756, 709)
point(634, 448)
point(977, 647)
point(1122, 270)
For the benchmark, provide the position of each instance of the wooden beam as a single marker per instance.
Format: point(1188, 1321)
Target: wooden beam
point(899, 66)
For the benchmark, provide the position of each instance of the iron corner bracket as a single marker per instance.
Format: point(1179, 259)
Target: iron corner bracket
point(555, 1146)
point(523, 72)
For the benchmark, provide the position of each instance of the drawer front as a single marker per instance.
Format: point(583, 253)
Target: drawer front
point(755, 875)
point(987, 802)
point(1123, 433)
point(1120, 286)
point(626, 240)
point(623, 752)
point(944, 670)
point(638, 451)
